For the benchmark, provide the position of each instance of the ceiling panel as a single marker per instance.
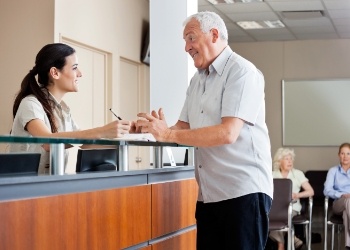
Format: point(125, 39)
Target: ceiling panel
point(334, 24)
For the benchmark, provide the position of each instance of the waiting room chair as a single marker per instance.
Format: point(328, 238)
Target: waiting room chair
point(317, 179)
point(333, 220)
point(305, 218)
point(280, 217)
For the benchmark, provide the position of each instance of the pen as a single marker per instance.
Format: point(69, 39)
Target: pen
point(115, 114)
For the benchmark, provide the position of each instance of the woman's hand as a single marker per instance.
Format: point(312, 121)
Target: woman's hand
point(345, 195)
point(295, 196)
point(115, 129)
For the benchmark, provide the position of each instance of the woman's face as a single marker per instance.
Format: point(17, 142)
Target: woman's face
point(344, 156)
point(286, 163)
point(68, 76)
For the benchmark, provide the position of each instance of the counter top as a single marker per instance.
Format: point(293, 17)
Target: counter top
point(105, 141)
point(21, 187)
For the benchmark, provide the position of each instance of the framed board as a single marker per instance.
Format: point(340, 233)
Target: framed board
point(316, 112)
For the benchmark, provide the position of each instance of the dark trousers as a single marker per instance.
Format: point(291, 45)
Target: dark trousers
point(241, 223)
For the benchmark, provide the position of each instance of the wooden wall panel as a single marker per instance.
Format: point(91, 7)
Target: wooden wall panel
point(185, 241)
point(90, 221)
point(173, 206)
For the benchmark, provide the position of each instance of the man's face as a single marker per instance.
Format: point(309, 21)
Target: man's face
point(198, 45)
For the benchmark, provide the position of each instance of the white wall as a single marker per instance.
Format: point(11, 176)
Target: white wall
point(169, 63)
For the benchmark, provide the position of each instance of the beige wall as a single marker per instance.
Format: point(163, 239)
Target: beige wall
point(24, 28)
point(113, 26)
point(297, 60)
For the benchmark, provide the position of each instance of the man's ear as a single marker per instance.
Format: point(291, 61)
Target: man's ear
point(215, 35)
point(54, 72)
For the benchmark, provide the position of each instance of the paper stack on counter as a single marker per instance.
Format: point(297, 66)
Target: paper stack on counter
point(137, 137)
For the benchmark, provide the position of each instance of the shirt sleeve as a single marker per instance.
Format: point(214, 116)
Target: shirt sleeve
point(300, 176)
point(29, 109)
point(244, 94)
point(329, 185)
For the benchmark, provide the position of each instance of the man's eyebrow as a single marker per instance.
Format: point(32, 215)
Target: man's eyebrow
point(74, 65)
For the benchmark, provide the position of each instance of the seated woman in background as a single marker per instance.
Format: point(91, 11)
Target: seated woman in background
point(39, 109)
point(283, 168)
point(337, 187)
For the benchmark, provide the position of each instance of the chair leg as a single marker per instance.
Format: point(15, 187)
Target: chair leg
point(325, 240)
point(332, 239)
point(291, 243)
point(307, 237)
point(338, 236)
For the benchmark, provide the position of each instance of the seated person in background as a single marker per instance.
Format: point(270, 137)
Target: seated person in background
point(283, 168)
point(337, 187)
point(39, 109)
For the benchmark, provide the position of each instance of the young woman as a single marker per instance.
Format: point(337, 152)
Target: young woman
point(283, 164)
point(39, 109)
point(337, 187)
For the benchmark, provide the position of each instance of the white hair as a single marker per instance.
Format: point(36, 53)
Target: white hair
point(209, 20)
point(280, 154)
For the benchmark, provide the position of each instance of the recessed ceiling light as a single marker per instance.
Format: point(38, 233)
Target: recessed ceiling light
point(302, 14)
point(261, 24)
point(232, 1)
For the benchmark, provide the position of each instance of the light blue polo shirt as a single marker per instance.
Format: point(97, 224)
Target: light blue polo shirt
point(233, 88)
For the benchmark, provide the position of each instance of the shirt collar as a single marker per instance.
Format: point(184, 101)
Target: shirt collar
point(342, 170)
point(220, 62)
point(61, 105)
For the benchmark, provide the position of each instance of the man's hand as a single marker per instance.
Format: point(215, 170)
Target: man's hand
point(155, 124)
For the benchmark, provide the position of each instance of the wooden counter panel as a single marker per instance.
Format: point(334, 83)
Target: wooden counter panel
point(173, 206)
point(146, 248)
point(185, 241)
point(94, 220)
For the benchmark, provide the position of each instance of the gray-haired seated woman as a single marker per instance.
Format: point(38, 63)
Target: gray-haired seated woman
point(283, 164)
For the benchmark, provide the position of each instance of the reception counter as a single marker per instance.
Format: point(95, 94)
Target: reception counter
point(141, 209)
point(144, 209)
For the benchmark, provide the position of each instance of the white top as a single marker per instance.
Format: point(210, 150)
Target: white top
point(29, 109)
point(297, 176)
point(233, 88)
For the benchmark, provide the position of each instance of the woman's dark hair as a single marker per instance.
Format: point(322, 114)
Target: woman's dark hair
point(51, 55)
point(345, 144)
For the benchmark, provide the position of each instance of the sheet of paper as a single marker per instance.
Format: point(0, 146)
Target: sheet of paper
point(137, 137)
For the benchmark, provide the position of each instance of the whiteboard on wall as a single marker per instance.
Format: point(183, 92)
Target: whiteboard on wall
point(316, 112)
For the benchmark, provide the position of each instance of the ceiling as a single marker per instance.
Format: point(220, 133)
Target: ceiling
point(334, 23)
